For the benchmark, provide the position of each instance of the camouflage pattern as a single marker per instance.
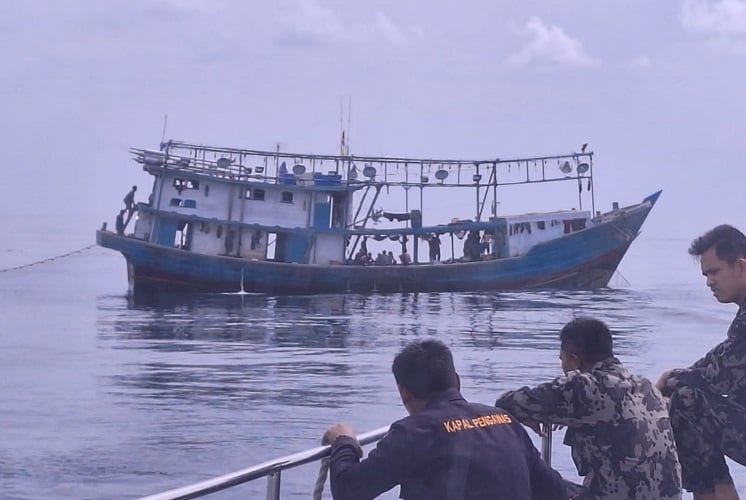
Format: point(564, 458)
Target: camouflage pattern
point(617, 427)
point(708, 404)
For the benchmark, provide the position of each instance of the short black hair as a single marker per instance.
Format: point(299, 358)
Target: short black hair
point(589, 337)
point(425, 367)
point(729, 243)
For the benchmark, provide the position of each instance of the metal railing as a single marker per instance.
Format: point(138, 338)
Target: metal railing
point(272, 469)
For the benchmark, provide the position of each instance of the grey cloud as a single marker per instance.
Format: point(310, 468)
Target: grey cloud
point(549, 43)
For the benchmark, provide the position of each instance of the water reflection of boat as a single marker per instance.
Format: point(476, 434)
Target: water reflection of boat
point(221, 219)
point(293, 320)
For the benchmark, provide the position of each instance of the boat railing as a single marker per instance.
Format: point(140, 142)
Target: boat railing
point(272, 469)
point(246, 164)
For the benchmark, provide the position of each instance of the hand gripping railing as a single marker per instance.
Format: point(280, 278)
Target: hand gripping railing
point(273, 468)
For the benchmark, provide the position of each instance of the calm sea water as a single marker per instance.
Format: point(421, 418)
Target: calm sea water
point(105, 397)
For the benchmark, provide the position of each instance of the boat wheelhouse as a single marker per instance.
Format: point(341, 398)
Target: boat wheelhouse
point(225, 220)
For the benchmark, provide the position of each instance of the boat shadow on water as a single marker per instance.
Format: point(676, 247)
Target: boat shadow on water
point(230, 349)
point(331, 320)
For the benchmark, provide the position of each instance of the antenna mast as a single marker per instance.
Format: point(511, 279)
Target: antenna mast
point(163, 134)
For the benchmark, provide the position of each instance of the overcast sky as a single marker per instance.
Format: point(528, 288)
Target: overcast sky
point(656, 89)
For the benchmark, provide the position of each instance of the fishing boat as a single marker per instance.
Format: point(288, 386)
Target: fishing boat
point(228, 220)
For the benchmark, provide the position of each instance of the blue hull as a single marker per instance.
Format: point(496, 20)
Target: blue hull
point(581, 260)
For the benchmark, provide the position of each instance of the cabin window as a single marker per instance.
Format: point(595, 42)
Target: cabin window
point(219, 232)
point(578, 224)
point(190, 204)
point(175, 202)
point(186, 184)
point(251, 194)
point(541, 224)
point(287, 197)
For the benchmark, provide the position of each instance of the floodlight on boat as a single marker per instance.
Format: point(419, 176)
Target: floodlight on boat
point(476, 178)
point(566, 168)
point(425, 179)
point(299, 168)
point(259, 170)
point(224, 162)
point(582, 167)
point(369, 171)
point(441, 175)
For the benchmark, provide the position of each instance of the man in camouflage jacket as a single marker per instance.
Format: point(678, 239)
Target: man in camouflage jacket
point(708, 399)
point(617, 423)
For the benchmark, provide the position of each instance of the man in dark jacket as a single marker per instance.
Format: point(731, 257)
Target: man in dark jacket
point(617, 423)
point(708, 399)
point(447, 449)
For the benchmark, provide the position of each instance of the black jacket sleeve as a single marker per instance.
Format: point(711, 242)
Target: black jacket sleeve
point(352, 479)
point(546, 483)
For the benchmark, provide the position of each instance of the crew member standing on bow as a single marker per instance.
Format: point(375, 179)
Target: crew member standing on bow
point(708, 399)
point(447, 449)
point(129, 202)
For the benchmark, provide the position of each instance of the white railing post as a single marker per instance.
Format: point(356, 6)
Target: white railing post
point(273, 486)
point(546, 443)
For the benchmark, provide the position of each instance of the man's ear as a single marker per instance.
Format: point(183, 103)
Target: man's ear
point(741, 263)
point(405, 394)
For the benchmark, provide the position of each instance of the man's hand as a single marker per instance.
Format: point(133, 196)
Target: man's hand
point(662, 380)
point(534, 426)
point(335, 431)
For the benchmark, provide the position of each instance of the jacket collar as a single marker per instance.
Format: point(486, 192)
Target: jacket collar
point(449, 395)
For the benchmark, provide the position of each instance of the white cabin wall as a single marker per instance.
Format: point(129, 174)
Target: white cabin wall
point(205, 240)
point(521, 241)
point(208, 205)
point(273, 211)
point(222, 201)
point(260, 252)
point(143, 225)
point(328, 248)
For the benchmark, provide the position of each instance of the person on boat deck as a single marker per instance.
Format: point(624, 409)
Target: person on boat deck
point(120, 222)
point(618, 426)
point(404, 258)
point(434, 242)
point(391, 258)
point(129, 201)
point(361, 257)
point(446, 449)
point(708, 399)
point(472, 250)
point(380, 259)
